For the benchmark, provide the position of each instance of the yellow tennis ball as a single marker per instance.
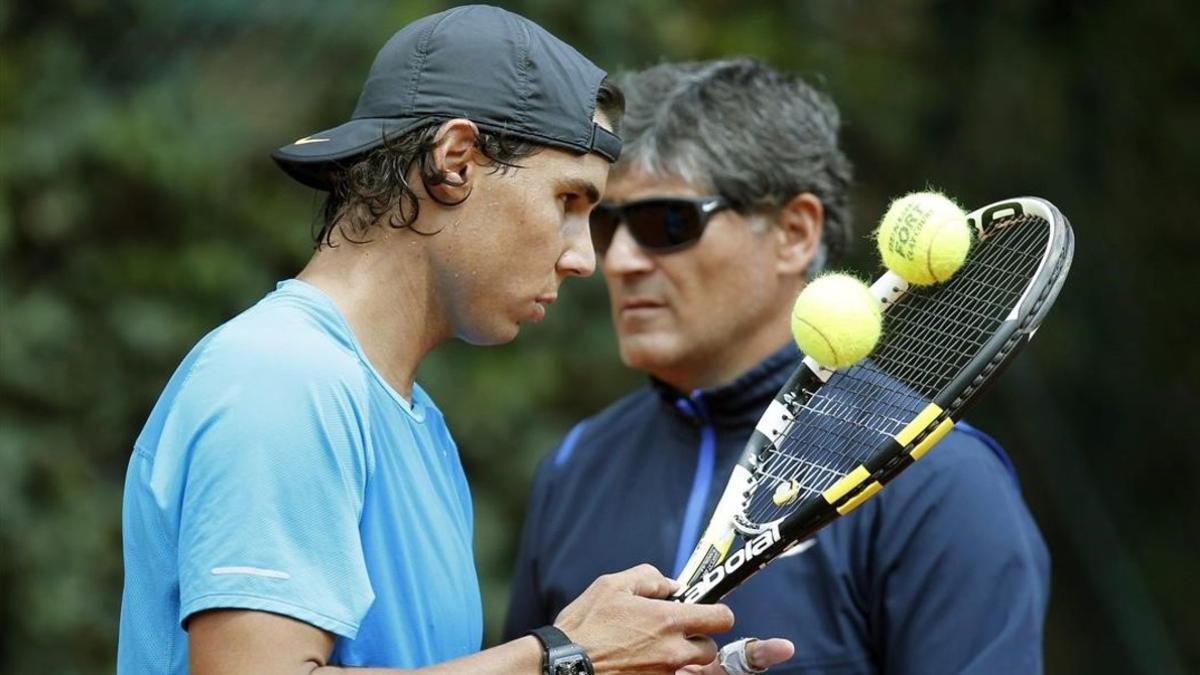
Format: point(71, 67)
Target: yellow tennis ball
point(924, 237)
point(836, 320)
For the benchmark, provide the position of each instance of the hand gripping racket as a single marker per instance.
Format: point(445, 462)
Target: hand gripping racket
point(832, 439)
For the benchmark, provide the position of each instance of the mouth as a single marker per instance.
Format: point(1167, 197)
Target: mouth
point(640, 304)
point(540, 305)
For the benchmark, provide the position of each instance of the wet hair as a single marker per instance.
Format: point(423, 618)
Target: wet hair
point(374, 189)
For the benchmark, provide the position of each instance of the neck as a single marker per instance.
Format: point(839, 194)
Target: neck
point(386, 292)
point(715, 370)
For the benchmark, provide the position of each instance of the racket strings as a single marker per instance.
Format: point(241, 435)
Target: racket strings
point(851, 424)
point(936, 331)
point(929, 336)
point(825, 442)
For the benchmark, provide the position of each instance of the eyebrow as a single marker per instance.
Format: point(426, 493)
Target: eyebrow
point(588, 188)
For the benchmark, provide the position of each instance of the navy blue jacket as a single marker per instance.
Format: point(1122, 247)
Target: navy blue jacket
point(944, 571)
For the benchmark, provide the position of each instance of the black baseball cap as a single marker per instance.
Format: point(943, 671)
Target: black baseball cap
point(500, 70)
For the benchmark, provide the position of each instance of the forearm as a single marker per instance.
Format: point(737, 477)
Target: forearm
point(522, 656)
point(245, 642)
point(622, 620)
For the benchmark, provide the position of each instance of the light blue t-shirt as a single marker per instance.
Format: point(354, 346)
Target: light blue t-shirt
point(279, 472)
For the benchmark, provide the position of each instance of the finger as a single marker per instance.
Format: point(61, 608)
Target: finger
point(703, 652)
point(713, 668)
point(646, 581)
point(702, 619)
point(762, 654)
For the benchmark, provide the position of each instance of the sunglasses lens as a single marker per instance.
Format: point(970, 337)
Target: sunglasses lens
point(603, 224)
point(656, 225)
point(665, 224)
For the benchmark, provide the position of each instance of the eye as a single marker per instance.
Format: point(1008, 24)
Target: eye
point(570, 200)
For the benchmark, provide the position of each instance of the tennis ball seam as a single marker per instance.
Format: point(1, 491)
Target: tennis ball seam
point(935, 218)
point(836, 358)
point(933, 239)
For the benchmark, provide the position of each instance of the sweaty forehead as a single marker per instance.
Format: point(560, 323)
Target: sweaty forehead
point(567, 168)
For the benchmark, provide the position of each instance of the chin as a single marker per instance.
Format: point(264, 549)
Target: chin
point(491, 335)
point(649, 353)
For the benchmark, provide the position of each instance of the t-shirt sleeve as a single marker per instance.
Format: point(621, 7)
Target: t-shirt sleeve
point(962, 573)
point(273, 478)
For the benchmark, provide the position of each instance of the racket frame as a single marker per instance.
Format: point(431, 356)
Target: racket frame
point(714, 570)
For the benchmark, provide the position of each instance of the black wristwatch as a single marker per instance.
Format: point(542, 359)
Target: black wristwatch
point(560, 656)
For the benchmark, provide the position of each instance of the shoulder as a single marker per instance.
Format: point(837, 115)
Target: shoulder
point(965, 454)
point(592, 463)
point(276, 363)
point(964, 484)
point(609, 428)
point(282, 346)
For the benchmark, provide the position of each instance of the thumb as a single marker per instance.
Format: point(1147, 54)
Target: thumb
point(762, 654)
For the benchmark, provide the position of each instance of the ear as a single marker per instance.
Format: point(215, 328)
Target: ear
point(454, 158)
point(801, 221)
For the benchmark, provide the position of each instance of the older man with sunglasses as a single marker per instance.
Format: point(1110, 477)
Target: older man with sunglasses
point(730, 195)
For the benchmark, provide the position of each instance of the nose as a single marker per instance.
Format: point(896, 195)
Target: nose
point(578, 258)
point(624, 256)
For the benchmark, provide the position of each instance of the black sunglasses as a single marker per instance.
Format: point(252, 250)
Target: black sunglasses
point(660, 224)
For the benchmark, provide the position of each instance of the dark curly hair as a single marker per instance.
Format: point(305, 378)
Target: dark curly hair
point(374, 189)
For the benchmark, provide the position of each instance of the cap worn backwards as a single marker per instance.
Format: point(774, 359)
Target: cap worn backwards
point(500, 70)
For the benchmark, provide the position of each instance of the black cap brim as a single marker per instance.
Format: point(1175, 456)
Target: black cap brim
point(313, 158)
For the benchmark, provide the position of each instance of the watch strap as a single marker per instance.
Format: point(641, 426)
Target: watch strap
point(560, 656)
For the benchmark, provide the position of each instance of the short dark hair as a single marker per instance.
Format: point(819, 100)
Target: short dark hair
point(756, 136)
point(374, 188)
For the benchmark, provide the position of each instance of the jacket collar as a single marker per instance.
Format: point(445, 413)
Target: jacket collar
point(739, 402)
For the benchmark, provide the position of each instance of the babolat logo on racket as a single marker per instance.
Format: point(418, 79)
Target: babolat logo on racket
point(753, 548)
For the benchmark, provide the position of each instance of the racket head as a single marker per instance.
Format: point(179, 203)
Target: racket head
point(831, 439)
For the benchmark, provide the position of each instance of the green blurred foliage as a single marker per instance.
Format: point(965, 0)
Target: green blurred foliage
point(139, 209)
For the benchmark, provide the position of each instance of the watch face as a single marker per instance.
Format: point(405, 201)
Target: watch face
point(571, 665)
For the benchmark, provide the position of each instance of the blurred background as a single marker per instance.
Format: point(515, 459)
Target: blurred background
point(139, 209)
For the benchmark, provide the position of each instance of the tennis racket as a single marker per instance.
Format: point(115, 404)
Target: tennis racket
point(832, 439)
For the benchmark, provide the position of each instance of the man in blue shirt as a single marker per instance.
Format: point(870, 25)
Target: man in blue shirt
point(731, 192)
point(295, 503)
